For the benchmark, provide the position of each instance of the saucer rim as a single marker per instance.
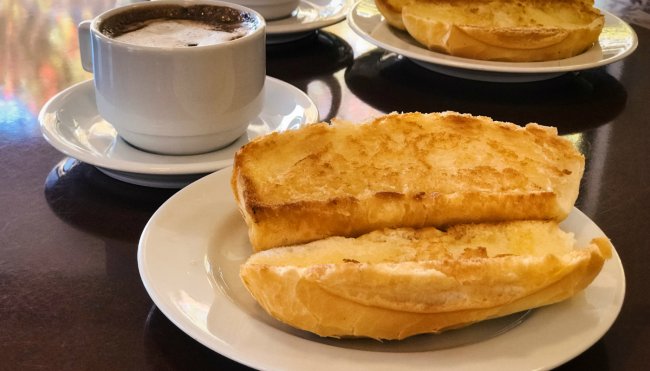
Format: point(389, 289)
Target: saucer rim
point(279, 30)
point(195, 164)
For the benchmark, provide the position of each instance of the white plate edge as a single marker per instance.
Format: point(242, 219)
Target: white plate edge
point(376, 360)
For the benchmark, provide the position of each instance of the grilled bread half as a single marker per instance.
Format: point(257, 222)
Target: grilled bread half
point(401, 170)
point(394, 283)
point(392, 11)
point(502, 30)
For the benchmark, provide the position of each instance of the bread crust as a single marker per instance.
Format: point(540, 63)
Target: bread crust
point(406, 170)
point(392, 11)
point(404, 295)
point(502, 30)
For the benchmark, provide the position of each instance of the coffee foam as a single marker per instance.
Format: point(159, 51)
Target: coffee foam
point(177, 33)
point(165, 25)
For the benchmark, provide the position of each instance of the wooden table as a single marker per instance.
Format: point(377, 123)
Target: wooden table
point(70, 292)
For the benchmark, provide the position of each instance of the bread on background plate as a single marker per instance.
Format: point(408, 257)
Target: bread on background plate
point(395, 283)
point(401, 170)
point(499, 30)
point(392, 11)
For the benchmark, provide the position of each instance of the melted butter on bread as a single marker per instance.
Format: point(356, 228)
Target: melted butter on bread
point(395, 283)
point(500, 30)
point(410, 170)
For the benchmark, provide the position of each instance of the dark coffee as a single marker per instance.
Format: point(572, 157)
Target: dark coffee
point(179, 26)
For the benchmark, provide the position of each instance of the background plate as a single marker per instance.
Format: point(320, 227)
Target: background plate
point(310, 15)
point(616, 41)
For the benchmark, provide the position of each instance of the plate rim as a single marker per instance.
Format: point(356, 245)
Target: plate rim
point(195, 164)
point(327, 356)
point(523, 68)
point(282, 29)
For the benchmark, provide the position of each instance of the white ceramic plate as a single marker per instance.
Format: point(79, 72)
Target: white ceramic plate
point(70, 122)
point(189, 256)
point(617, 41)
point(310, 15)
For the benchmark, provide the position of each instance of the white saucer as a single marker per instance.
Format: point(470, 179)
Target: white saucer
point(310, 16)
point(71, 124)
point(617, 41)
point(189, 256)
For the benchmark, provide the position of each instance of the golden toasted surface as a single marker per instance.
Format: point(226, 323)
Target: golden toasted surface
point(392, 11)
point(504, 30)
point(395, 283)
point(409, 154)
point(401, 170)
point(507, 13)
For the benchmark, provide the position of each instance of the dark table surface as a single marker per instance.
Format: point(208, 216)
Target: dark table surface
point(70, 293)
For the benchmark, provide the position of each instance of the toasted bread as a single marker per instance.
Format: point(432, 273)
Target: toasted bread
point(394, 283)
point(392, 11)
point(401, 170)
point(501, 30)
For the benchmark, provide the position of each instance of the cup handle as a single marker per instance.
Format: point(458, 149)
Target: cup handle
point(85, 49)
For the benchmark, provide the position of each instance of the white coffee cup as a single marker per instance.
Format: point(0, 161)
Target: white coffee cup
point(271, 9)
point(176, 100)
